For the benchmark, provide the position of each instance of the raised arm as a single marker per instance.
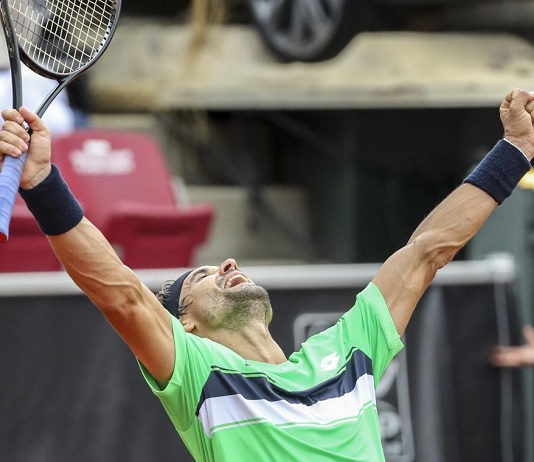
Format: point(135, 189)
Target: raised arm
point(406, 274)
point(130, 307)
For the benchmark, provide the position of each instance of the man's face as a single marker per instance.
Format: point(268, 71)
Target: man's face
point(222, 298)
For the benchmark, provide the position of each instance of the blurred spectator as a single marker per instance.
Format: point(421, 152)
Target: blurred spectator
point(516, 356)
point(59, 116)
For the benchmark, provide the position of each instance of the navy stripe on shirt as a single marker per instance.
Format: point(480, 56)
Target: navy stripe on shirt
point(229, 382)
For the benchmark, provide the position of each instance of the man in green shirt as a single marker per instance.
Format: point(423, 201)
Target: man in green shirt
point(317, 405)
point(203, 343)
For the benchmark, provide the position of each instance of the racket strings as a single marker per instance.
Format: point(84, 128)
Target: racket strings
point(62, 35)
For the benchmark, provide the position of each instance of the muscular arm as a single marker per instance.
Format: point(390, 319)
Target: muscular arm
point(130, 307)
point(407, 273)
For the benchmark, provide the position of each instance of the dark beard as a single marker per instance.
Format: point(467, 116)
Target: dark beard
point(246, 306)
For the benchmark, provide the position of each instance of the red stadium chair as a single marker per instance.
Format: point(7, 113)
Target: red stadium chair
point(122, 181)
point(27, 248)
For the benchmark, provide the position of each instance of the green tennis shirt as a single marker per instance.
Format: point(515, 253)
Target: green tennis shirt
point(318, 406)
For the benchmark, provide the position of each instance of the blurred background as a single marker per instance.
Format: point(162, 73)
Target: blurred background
point(304, 110)
point(306, 139)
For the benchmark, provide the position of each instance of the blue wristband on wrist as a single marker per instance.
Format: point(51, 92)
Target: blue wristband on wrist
point(53, 205)
point(500, 171)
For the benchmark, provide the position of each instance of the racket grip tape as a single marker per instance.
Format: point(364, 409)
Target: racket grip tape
point(10, 176)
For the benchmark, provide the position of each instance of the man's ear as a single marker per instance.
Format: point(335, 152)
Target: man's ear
point(188, 326)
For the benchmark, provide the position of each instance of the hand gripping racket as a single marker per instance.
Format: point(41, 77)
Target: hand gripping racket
point(58, 39)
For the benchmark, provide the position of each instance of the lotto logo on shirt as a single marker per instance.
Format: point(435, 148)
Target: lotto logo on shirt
point(330, 362)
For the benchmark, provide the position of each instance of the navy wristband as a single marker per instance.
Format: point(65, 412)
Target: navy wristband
point(53, 205)
point(500, 171)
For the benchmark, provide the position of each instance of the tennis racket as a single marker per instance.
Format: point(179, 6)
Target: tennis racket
point(58, 39)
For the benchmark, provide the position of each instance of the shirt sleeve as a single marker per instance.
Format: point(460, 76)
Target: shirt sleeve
point(192, 365)
point(368, 326)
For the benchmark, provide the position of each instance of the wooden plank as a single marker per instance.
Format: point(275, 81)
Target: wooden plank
point(149, 67)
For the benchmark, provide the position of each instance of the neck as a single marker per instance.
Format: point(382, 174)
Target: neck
point(253, 342)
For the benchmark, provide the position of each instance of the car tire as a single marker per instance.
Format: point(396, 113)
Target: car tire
point(309, 30)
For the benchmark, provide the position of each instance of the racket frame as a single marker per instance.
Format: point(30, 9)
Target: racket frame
point(17, 55)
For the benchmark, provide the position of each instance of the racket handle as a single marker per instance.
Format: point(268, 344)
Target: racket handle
point(10, 176)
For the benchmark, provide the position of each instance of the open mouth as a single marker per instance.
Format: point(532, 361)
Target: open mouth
point(235, 280)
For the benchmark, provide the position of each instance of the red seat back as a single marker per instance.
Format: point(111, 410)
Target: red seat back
point(122, 181)
point(104, 167)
